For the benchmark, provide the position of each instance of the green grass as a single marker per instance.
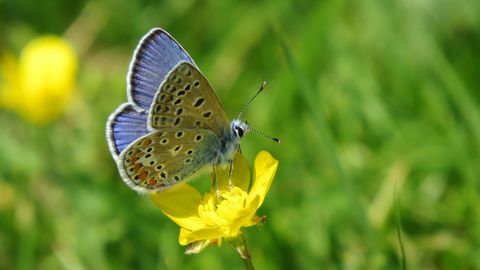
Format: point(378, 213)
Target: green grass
point(376, 103)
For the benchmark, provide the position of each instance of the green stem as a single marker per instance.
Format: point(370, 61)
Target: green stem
point(248, 263)
point(240, 245)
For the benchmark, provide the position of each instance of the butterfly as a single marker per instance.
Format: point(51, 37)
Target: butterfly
point(173, 124)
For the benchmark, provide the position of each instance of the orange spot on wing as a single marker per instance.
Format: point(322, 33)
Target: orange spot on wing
point(152, 181)
point(137, 167)
point(147, 142)
point(143, 175)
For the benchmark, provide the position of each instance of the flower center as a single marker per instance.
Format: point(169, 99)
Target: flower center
point(224, 210)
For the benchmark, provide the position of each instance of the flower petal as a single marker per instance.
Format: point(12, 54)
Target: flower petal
point(240, 174)
point(244, 217)
point(264, 171)
point(186, 237)
point(180, 203)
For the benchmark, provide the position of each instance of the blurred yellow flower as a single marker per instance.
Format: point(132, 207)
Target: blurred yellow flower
point(207, 220)
point(41, 83)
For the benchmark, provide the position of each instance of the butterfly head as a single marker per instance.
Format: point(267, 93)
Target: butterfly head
point(239, 128)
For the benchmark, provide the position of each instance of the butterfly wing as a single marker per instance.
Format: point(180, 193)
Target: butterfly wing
point(165, 157)
point(186, 100)
point(174, 121)
point(124, 126)
point(156, 54)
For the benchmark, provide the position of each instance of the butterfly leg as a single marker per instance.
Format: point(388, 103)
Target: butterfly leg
point(215, 181)
point(230, 170)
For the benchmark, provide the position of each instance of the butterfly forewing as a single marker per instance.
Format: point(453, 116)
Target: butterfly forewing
point(166, 157)
point(186, 100)
point(156, 54)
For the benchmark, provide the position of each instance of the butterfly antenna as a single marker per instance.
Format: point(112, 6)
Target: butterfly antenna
point(277, 140)
point(250, 101)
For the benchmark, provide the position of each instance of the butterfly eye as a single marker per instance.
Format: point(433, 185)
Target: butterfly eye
point(239, 131)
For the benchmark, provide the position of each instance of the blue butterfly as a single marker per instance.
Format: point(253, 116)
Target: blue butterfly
point(173, 124)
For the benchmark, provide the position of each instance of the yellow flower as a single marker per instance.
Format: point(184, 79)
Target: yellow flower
point(41, 83)
point(208, 219)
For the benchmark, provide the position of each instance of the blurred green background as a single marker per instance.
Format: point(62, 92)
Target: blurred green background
point(376, 103)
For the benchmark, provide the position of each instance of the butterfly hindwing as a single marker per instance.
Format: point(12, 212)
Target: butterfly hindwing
point(165, 157)
point(186, 100)
point(124, 126)
point(156, 54)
